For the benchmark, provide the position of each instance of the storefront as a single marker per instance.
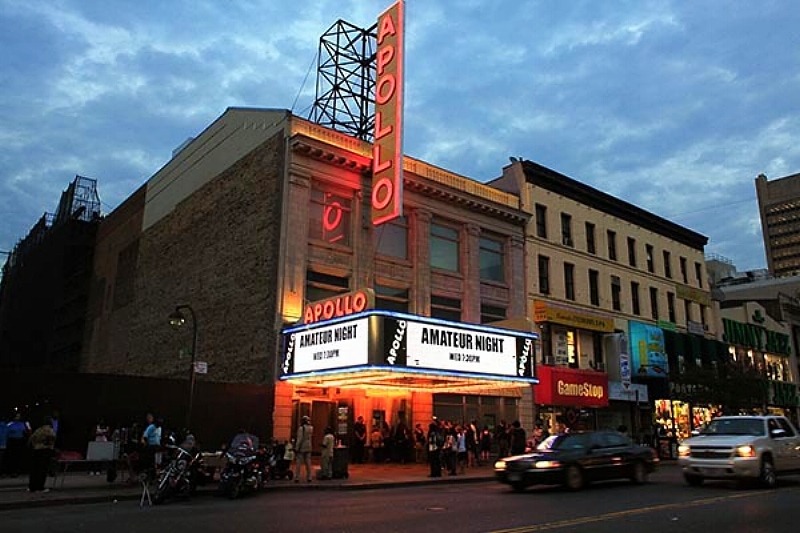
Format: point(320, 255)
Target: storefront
point(628, 407)
point(571, 338)
point(567, 398)
point(392, 368)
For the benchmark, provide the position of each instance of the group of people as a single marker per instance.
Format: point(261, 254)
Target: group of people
point(23, 448)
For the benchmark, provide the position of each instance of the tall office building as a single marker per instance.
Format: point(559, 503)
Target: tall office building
point(779, 206)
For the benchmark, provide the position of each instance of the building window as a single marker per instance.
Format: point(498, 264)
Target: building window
point(632, 251)
point(698, 272)
point(329, 217)
point(492, 313)
point(616, 293)
point(590, 241)
point(635, 298)
point(492, 265)
point(569, 281)
point(446, 308)
point(541, 221)
point(391, 298)
point(321, 286)
point(392, 238)
point(654, 303)
point(544, 274)
point(684, 274)
point(594, 289)
point(667, 264)
point(651, 264)
point(687, 310)
point(703, 316)
point(444, 247)
point(612, 245)
point(671, 306)
point(566, 230)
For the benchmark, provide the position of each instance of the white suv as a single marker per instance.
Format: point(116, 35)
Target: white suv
point(744, 448)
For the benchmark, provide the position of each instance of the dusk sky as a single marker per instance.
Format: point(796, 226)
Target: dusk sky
point(674, 106)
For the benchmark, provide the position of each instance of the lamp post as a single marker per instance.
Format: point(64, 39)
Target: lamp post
point(177, 320)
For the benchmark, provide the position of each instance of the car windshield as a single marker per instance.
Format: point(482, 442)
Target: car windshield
point(734, 426)
point(565, 441)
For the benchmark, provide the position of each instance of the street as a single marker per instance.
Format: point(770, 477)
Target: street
point(663, 505)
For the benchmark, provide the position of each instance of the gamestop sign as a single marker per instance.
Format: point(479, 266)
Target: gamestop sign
point(340, 345)
point(387, 151)
point(571, 387)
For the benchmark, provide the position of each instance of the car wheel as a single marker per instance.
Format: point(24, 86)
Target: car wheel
point(573, 477)
point(694, 481)
point(518, 487)
point(768, 477)
point(639, 473)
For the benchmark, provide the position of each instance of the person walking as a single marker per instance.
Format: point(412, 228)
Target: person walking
point(328, 443)
point(303, 449)
point(18, 431)
point(42, 443)
point(518, 439)
point(435, 443)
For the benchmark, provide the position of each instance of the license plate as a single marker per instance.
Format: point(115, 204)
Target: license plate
point(514, 477)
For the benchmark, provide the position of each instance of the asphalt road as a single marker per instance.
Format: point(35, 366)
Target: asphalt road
point(663, 505)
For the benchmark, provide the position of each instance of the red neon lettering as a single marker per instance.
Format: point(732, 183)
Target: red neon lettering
point(328, 310)
point(380, 131)
point(334, 209)
point(382, 193)
point(359, 302)
point(317, 311)
point(387, 28)
point(385, 88)
point(385, 56)
point(380, 166)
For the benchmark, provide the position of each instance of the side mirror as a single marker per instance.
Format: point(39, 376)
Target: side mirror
point(777, 433)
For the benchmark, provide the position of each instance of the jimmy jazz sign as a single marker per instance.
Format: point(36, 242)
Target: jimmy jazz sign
point(387, 151)
point(396, 341)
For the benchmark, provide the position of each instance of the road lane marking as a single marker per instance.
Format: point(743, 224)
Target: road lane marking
point(619, 514)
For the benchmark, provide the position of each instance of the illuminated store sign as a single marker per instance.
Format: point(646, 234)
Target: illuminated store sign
point(341, 305)
point(344, 344)
point(542, 312)
point(571, 387)
point(647, 351)
point(387, 155)
point(756, 337)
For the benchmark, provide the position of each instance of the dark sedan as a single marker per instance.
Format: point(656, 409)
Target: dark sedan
point(574, 459)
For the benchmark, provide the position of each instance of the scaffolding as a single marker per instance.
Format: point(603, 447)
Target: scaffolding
point(346, 80)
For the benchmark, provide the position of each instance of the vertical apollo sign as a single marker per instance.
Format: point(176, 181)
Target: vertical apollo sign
point(387, 151)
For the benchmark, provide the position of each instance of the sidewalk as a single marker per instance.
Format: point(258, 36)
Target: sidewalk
point(79, 487)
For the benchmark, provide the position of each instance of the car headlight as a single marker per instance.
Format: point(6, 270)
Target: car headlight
point(500, 465)
point(546, 464)
point(684, 451)
point(745, 451)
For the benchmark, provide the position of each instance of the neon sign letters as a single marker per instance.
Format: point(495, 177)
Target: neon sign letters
point(387, 151)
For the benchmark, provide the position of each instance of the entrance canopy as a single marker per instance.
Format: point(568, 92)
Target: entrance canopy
point(396, 351)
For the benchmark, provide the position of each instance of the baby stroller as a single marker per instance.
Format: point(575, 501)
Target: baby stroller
point(279, 466)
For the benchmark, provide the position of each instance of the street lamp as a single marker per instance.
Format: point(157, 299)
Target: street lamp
point(177, 320)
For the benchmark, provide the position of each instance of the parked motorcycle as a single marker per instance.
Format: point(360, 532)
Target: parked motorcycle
point(183, 473)
point(246, 471)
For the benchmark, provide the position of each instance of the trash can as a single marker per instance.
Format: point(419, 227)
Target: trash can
point(341, 458)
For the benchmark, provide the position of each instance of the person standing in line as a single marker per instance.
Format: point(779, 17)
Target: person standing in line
point(17, 433)
point(359, 440)
point(100, 435)
point(151, 439)
point(303, 449)
point(518, 439)
point(435, 443)
point(42, 443)
point(328, 442)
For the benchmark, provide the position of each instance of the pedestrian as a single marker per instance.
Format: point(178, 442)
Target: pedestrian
point(486, 444)
point(359, 440)
point(3, 441)
point(419, 443)
point(435, 443)
point(17, 435)
point(303, 449)
point(376, 443)
point(518, 438)
point(151, 442)
point(101, 431)
point(42, 443)
point(328, 443)
point(501, 437)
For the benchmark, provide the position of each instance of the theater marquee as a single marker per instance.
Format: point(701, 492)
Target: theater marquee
point(383, 349)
